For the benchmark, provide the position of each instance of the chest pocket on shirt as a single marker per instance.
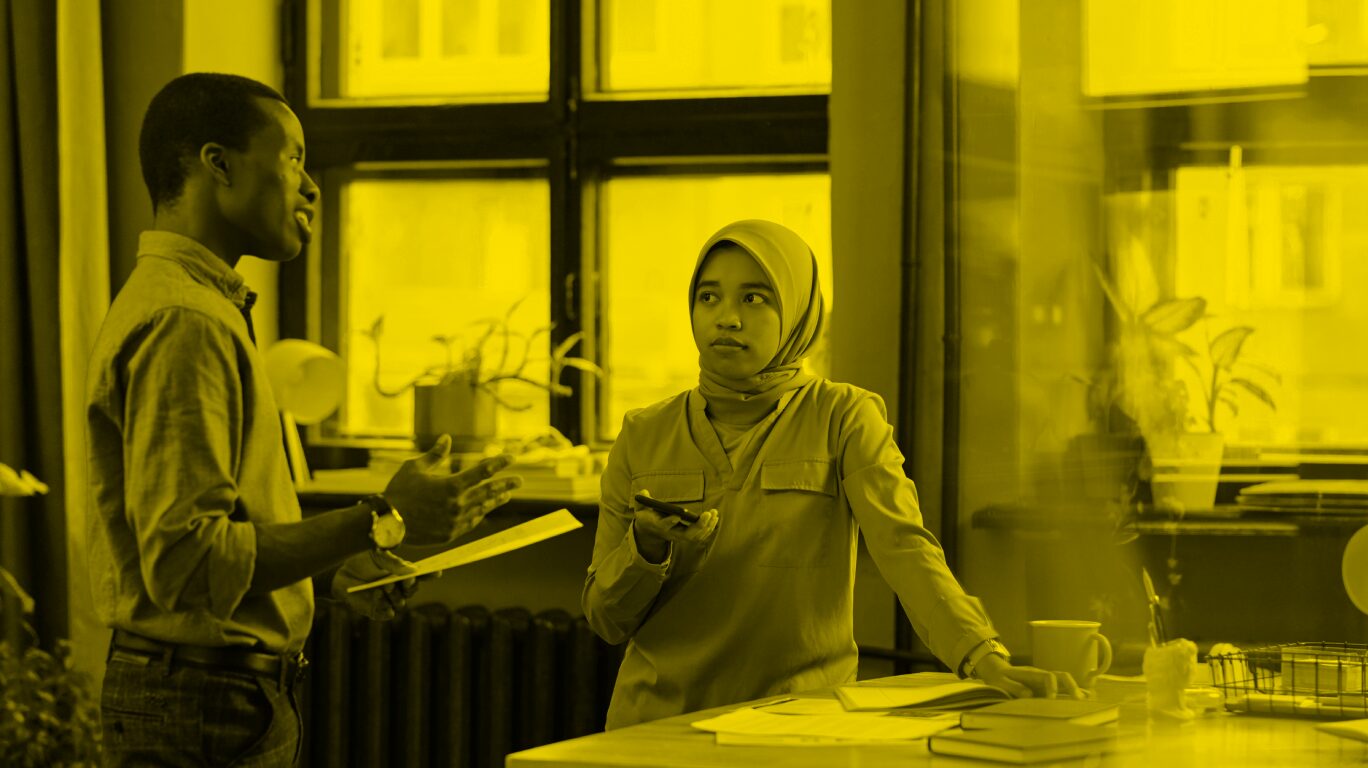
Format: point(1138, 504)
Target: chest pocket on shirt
point(676, 486)
point(800, 501)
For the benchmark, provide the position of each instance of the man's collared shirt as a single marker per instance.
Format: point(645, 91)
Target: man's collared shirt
point(185, 454)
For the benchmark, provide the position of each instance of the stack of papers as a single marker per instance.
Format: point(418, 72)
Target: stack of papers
point(818, 722)
point(1307, 497)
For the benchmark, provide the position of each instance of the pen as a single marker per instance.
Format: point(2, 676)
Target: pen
point(1156, 627)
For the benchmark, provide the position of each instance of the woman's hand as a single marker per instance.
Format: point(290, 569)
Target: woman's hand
point(654, 531)
point(1026, 682)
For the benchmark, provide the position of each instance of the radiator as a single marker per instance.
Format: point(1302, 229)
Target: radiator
point(444, 687)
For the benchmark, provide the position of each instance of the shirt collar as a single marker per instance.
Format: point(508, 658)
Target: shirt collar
point(200, 262)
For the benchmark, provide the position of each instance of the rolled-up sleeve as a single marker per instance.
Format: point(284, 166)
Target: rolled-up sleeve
point(183, 420)
point(884, 502)
point(621, 585)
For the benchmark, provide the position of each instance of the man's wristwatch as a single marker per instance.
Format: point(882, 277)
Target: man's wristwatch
point(387, 525)
point(979, 652)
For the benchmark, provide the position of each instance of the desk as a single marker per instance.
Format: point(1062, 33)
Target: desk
point(1218, 740)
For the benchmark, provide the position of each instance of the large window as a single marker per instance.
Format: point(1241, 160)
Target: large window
point(1156, 216)
point(554, 164)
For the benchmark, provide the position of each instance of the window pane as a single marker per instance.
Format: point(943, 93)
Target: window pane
point(654, 228)
point(666, 45)
point(435, 48)
point(1162, 300)
point(436, 257)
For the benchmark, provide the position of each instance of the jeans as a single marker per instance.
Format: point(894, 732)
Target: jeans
point(183, 715)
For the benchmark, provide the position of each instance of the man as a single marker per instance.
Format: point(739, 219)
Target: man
point(200, 559)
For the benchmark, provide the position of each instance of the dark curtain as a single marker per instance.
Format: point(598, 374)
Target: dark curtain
point(32, 529)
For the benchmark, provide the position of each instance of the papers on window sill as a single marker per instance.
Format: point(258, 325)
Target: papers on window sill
point(517, 537)
point(818, 722)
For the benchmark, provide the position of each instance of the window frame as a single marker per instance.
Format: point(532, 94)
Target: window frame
point(579, 135)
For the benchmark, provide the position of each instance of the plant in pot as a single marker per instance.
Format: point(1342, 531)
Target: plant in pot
point(460, 396)
point(47, 715)
point(1184, 444)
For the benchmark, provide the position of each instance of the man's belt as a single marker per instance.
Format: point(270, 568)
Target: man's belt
point(273, 665)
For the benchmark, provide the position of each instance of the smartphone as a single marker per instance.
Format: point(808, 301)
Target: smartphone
point(666, 508)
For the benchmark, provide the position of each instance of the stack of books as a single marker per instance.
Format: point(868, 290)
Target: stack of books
point(1032, 730)
point(1026, 744)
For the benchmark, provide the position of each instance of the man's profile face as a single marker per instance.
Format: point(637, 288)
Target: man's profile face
point(271, 199)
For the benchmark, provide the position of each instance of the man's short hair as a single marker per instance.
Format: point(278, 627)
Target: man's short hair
point(189, 112)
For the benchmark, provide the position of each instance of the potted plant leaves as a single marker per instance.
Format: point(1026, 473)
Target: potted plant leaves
point(47, 715)
point(461, 395)
point(1183, 445)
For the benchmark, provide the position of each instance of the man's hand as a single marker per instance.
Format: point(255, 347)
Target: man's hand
point(380, 603)
point(1026, 682)
point(437, 505)
point(655, 531)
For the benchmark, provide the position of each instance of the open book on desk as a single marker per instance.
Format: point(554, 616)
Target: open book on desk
point(933, 691)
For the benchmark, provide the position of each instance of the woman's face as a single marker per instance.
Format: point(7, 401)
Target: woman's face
point(735, 315)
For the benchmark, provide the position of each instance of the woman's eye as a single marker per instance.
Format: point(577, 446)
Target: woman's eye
point(706, 296)
point(756, 298)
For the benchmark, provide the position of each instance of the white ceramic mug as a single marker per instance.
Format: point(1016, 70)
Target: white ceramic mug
point(1076, 647)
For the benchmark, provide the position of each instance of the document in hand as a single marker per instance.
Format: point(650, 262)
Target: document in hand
point(1036, 711)
point(517, 537)
point(1028, 744)
point(962, 694)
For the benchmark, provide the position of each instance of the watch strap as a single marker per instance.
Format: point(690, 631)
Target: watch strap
point(981, 651)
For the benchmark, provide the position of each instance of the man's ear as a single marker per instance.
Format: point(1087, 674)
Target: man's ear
point(214, 159)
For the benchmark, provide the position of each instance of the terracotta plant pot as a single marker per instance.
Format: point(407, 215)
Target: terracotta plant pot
point(466, 413)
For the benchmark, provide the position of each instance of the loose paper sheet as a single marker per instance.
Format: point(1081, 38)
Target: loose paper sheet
point(517, 537)
point(734, 727)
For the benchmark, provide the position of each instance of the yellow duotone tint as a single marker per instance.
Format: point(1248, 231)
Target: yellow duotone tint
point(653, 230)
point(671, 45)
point(436, 257)
point(441, 48)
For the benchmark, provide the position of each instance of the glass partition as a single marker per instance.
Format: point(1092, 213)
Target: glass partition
point(1154, 208)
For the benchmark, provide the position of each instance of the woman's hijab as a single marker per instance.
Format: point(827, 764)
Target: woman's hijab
point(791, 269)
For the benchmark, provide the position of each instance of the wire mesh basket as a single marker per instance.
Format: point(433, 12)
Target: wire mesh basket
point(1328, 680)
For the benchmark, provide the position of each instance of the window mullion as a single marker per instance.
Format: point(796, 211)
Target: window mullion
point(566, 254)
